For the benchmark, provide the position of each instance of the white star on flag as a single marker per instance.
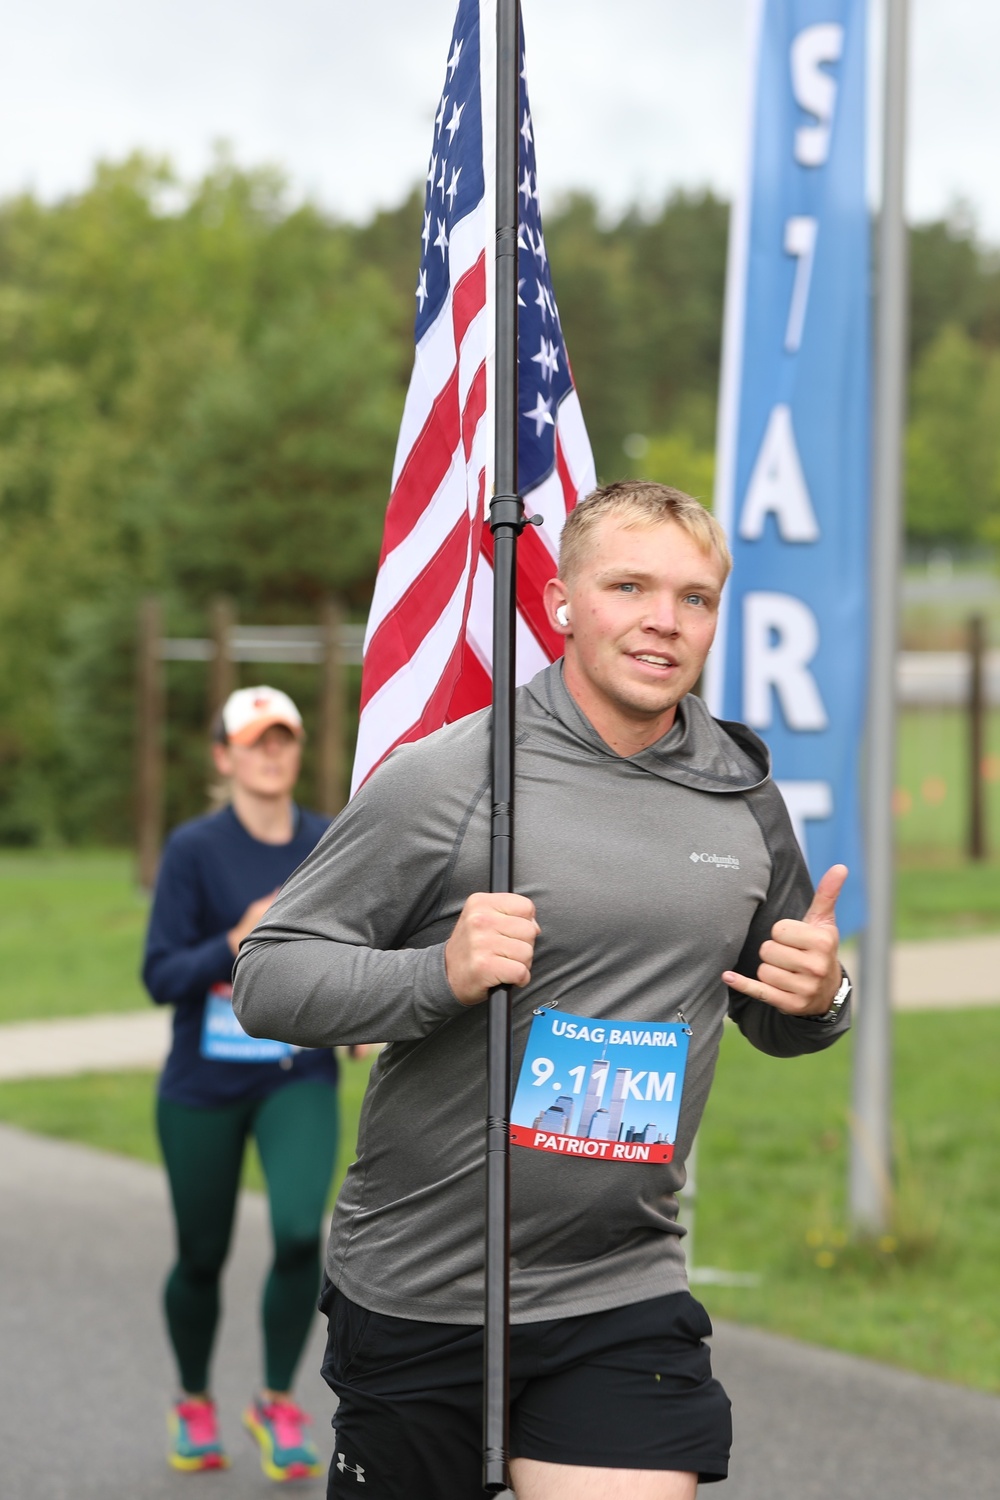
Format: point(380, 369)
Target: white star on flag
point(525, 187)
point(453, 61)
point(526, 129)
point(425, 233)
point(422, 292)
point(432, 169)
point(542, 414)
point(548, 358)
point(456, 120)
point(453, 186)
point(439, 117)
point(441, 243)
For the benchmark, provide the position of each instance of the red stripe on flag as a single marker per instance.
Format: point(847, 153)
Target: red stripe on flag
point(416, 612)
point(433, 715)
point(475, 406)
point(474, 689)
point(429, 459)
point(469, 299)
point(426, 465)
point(407, 623)
point(535, 566)
point(565, 477)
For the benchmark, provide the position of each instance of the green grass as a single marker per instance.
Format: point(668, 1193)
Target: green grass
point(947, 899)
point(71, 932)
point(114, 1112)
point(932, 782)
point(772, 1189)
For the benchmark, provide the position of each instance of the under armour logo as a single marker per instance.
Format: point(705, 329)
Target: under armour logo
point(346, 1468)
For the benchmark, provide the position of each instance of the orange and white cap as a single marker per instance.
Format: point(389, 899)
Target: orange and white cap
point(249, 711)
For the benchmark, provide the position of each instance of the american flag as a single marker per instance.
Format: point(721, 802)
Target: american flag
point(428, 646)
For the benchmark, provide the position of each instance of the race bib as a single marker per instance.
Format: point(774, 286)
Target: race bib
point(223, 1038)
point(610, 1091)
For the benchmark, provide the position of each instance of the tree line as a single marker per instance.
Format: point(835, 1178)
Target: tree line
point(199, 395)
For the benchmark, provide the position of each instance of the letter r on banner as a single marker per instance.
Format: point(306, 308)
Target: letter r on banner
point(780, 637)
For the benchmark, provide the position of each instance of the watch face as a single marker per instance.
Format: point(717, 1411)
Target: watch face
point(839, 999)
point(837, 1003)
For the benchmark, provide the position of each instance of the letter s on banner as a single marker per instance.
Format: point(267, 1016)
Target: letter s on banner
point(815, 91)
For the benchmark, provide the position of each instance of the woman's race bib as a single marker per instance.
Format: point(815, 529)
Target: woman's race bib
point(223, 1038)
point(610, 1091)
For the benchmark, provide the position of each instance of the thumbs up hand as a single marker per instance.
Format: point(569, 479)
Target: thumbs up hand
point(799, 970)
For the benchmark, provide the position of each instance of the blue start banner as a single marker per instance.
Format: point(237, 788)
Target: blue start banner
point(792, 482)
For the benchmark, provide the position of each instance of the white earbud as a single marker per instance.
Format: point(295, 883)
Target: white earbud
point(562, 615)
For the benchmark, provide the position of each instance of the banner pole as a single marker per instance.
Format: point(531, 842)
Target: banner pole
point(870, 1179)
point(506, 522)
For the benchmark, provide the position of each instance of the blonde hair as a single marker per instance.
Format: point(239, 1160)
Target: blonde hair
point(639, 502)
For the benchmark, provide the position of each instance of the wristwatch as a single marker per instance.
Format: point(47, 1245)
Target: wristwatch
point(838, 1002)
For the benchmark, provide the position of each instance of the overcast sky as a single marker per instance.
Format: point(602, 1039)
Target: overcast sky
point(630, 97)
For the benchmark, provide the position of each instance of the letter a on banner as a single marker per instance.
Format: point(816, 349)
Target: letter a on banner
point(792, 487)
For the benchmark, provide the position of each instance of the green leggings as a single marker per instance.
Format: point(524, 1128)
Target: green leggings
point(296, 1133)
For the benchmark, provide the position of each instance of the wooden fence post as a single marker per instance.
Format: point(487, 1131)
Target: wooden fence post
point(150, 714)
point(330, 790)
point(977, 840)
point(222, 671)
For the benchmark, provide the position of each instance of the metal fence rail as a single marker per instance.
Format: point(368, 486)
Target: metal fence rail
point(943, 679)
point(303, 644)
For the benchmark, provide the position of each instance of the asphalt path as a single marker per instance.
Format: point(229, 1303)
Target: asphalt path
point(85, 1376)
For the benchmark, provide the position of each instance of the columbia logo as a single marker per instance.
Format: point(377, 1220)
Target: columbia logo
point(721, 861)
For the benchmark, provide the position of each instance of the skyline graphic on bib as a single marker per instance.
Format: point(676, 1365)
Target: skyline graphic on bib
point(610, 1091)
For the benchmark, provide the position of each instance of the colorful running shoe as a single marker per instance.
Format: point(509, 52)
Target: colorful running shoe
point(194, 1436)
point(285, 1451)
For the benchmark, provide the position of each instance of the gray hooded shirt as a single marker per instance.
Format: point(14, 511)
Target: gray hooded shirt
point(650, 875)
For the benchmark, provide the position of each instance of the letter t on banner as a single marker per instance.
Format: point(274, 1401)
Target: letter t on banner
point(793, 455)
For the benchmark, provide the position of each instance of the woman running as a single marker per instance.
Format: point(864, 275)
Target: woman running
point(218, 876)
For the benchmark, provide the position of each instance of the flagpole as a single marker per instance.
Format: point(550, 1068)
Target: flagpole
point(506, 522)
point(870, 1178)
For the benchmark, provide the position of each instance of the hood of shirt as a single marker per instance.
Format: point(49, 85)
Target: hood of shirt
point(698, 751)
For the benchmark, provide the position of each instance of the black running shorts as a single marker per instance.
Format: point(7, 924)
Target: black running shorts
point(629, 1388)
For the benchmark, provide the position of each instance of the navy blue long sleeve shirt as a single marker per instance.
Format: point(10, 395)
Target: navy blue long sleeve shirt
point(212, 869)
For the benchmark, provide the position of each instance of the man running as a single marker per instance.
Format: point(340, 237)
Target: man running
point(659, 888)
